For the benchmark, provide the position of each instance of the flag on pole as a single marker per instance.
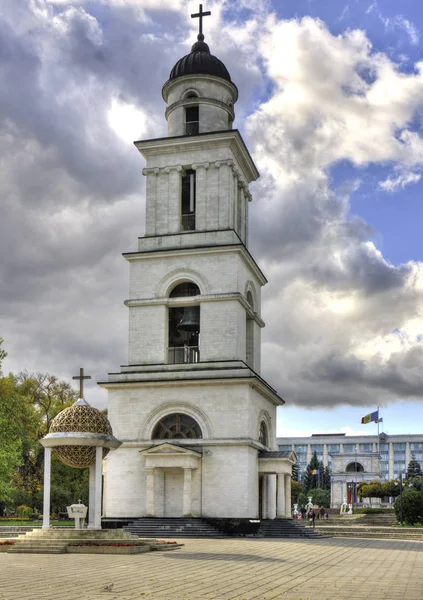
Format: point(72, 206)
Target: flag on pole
point(314, 472)
point(374, 416)
point(379, 420)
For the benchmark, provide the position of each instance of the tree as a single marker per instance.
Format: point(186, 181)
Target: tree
point(311, 480)
point(391, 488)
point(10, 443)
point(43, 396)
point(295, 473)
point(412, 507)
point(326, 479)
point(371, 490)
point(3, 354)
point(414, 469)
point(296, 489)
point(320, 497)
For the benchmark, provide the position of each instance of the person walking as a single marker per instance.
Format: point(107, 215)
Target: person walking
point(312, 518)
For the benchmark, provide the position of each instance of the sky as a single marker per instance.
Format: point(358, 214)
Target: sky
point(330, 106)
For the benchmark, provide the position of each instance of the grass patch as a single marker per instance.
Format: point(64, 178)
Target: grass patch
point(29, 523)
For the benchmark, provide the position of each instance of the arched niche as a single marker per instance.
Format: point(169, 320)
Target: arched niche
point(354, 467)
point(172, 279)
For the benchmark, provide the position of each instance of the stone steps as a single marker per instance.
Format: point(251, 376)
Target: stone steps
point(171, 528)
point(56, 541)
point(286, 528)
point(356, 531)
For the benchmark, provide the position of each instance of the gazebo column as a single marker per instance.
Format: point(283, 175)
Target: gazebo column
point(150, 501)
point(187, 509)
point(288, 512)
point(280, 509)
point(98, 482)
point(46, 497)
point(271, 496)
point(91, 497)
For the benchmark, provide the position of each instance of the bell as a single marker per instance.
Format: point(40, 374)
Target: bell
point(190, 321)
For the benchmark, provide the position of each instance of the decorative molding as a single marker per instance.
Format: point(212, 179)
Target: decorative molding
point(200, 100)
point(204, 165)
point(168, 282)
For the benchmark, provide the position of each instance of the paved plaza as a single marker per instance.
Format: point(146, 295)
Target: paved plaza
point(225, 569)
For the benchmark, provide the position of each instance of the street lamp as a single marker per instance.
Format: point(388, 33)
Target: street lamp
point(401, 516)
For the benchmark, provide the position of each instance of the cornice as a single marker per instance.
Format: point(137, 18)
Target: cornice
point(239, 248)
point(230, 138)
point(196, 301)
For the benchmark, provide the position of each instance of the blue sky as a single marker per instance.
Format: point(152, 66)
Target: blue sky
point(396, 218)
point(330, 105)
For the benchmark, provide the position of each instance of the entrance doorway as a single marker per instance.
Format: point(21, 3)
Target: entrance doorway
point(173, 492)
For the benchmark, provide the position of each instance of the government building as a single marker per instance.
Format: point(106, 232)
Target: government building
point(353, 459)
point(196, 420)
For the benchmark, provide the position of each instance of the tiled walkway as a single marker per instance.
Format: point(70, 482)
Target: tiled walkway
point(227, 569)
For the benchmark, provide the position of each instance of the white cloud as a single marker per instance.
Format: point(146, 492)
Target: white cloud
point(405, 178)
point(72, 190)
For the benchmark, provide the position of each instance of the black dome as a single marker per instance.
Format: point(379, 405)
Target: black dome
point(200, 62)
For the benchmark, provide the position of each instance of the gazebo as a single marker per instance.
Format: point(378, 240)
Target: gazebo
point(81, 437)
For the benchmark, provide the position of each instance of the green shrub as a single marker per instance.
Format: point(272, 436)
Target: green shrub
point(373, 511)
point(412, 507)
point(24, 511)
point(320, 497)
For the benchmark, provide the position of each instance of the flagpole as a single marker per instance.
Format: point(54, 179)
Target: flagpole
point(378, 439)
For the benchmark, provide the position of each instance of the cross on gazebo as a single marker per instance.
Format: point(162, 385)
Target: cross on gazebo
point(81, 378)
point(200, 16)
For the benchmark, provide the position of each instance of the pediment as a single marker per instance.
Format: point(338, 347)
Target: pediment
point(166, 449)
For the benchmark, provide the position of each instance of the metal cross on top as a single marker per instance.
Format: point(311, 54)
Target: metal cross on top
point(81, 378)
point(200, 16)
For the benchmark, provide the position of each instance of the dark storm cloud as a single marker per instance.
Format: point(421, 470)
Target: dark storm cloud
point(72, 200)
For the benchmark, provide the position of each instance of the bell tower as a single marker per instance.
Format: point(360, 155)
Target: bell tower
point(193, 372)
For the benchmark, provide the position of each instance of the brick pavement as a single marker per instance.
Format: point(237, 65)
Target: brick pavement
point(225, 569)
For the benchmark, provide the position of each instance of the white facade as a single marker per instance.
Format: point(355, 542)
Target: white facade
point(197, 422)
point(384, 457)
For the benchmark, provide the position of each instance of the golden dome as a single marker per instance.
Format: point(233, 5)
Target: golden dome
point(79, 418)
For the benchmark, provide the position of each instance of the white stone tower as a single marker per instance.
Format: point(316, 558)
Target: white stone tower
point(197, 422)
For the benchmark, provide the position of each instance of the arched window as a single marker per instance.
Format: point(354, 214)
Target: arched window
point(188, 200)
point(177, 426)
point(354, 467)
point(184, 326)
point(263, 437)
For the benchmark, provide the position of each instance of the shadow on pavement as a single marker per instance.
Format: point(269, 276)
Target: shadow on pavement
point(229, 557)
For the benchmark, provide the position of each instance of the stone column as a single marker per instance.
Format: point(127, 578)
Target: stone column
point(407, 455)
point(288, 511)
point(150, 503)
point(98, 486)
point(264, 497)
point(151, 195)
point(309, 454)
point(201, 195)
point(391, 461)
point(224, 192)
point(271, 496)
point(187, 493)
point(46, 497)
point(162, 203)
point(91, 498)
point(174, 174)
point(280, 509)
point(325, 455)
